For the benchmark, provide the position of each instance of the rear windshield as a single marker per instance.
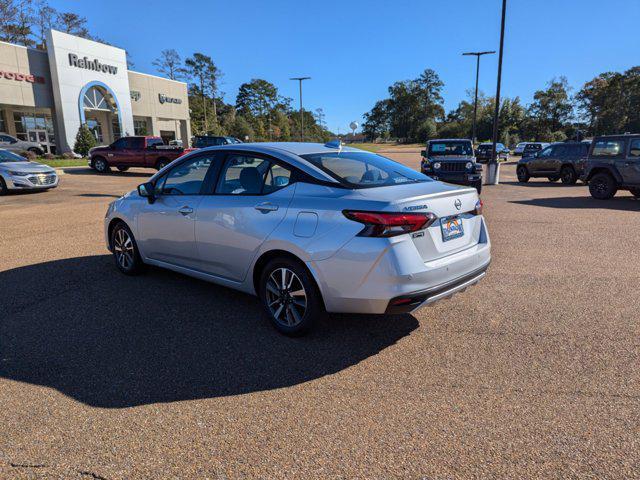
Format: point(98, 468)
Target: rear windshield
point(154, 141)
point(485, 147)
point(364, 170)
point(533, 146)
point(450, 148)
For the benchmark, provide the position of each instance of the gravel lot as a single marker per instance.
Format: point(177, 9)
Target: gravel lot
point(534, 373)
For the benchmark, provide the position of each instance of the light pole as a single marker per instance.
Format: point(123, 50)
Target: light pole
point(492, 177)
point(300, 80)
point(475, 101)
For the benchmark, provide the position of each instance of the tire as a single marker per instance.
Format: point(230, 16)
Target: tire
point(293, 303)
point(523, 174)
point(122, 169)
point(3, 187)
point(100, 165)
point(634, 191)
point(553, 178)
point(478, 186)
point(568, 175)
point(163, 162)
point(125, 250)
point(35, 150)
point(602, 186)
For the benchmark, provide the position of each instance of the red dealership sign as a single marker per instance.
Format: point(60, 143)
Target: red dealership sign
point(21, 77)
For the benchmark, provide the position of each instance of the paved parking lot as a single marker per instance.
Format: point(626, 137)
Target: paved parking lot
point(533, 373)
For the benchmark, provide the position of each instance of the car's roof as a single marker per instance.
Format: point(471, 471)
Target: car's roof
point(296, 148)
point(449, 140)
point(624, 135)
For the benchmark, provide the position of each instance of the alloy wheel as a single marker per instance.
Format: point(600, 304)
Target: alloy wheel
point(286, 297)
point(100, 165)
point(123, 249)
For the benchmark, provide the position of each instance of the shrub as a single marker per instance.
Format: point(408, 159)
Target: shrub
point(85, 140)
point(68, 155)
point(28, 155)
point(49, 156)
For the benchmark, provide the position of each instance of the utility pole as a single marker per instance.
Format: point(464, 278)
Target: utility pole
point(492, 177)
point(300, 80)
point(475, 101)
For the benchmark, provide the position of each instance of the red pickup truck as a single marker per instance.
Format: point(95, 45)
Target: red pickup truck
point(126, 152)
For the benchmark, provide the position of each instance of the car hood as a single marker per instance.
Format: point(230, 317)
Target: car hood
point(451, 158)
point(27, 167)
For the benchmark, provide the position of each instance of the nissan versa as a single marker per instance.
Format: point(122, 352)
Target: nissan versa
point(308, 228)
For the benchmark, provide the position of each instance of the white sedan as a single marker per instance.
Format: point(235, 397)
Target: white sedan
point(18, 173)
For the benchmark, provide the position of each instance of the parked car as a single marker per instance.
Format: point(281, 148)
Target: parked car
point(483, 152)
point(308, 228)
point(613, 164)
point(531, 148)
point(18, 173)
point(565, 161)
point(519, 148)
point(203, 141)
point(138, 151)
point(452, 161)
point(8, 142)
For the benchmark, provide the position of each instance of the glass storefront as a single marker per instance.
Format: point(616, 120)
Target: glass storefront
point(35, 127)
point(3, 124)
point(140, 127)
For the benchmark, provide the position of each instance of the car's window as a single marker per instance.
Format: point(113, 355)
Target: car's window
point(634, 149)
point(608, 148)
point(560, 151)
point(7, 156)
point(186, 178)
point(151, 142)
point(6, 138)
point(546, 152)
point(450, 148)
point(242, 175)
point(277, 177)
point(364, 170)
point(119, 144)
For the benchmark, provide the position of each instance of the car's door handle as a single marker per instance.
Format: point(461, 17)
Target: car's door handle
point(266, 207)
point(186, 210)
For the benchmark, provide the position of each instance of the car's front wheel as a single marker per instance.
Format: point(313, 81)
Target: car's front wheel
point(125, 250)
point(568, 175)
point(123, 169)
point(3, 187)
point(290, 296)
point(602, 186)
point(523, 174)
point(163, 162)
point(100, 165)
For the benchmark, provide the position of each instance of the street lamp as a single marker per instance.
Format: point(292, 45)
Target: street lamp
point(492, 176)
point(300, 80)
point(475, 101)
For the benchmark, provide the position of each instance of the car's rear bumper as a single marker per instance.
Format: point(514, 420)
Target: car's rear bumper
point(459, 178)
point(365, 276)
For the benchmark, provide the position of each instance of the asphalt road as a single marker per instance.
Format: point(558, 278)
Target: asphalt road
point(534, 373)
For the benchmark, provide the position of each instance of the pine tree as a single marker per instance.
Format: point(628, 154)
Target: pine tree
point(85, 140)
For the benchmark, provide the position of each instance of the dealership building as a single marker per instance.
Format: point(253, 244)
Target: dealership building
point(45, 95)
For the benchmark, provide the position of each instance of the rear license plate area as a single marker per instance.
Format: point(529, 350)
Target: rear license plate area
point(451, 228)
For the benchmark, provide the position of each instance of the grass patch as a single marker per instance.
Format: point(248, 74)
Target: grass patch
point(63, 162)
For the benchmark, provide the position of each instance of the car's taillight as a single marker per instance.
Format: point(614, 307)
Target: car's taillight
point(478, 209)
point(382, 224)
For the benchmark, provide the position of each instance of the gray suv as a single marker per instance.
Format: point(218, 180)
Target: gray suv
point(613, 164)
point(565, 161)
point(12, 144)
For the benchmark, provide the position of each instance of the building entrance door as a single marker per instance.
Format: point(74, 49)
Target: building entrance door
point(41, 137)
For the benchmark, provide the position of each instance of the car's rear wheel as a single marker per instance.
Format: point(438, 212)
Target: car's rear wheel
point(523, 174)
point(290, 296)
point(125, 250)
point(602, 186)
point(568, 175)
point(35, 150)
point(123, 169)
point(3, 187)
point(478, 186)
point(100, 165)
point(635, 192)
point(163, 162)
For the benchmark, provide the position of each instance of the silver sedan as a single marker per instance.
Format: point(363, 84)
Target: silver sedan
point(17, 173)
point(308, 228)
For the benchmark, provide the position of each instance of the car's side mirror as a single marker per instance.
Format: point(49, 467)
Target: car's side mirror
point(423, 153)
point(147, 190)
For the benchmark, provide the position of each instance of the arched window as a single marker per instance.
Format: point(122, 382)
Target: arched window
point(97, 99)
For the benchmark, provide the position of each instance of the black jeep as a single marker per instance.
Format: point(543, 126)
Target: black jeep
point(613, 164)
point(452, 161)
point(565, 161)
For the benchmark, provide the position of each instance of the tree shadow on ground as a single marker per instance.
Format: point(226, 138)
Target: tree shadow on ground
point(89, 171)
point(112, 341)
point(616, 203)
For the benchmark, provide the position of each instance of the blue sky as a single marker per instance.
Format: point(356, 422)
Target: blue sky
point(354, 50)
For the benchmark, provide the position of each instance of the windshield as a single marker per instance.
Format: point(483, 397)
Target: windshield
point(6, 156)
point(450, 148)
point(485, 146)
point(364, 170)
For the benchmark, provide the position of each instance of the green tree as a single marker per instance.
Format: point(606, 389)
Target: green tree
point(242, 129)
point(170, 64)
point(85, 140)
point(204, 73)
point(377, 122)
point(551, 109)
point(258, 101)
point(73, 24)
